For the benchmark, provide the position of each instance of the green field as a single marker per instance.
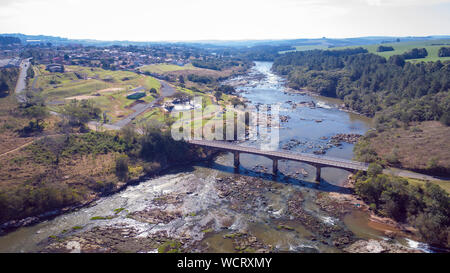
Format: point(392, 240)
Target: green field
point(432, 46)
point(443, 184)
point(305, 48)
point(79, 80)
point(107, 89)
point(163, 68)
point(153, 114)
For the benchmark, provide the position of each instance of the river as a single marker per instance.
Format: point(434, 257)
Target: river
point(209, 207)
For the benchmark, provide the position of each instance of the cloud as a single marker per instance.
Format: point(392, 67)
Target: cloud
point(218, 19)
point(404, 3)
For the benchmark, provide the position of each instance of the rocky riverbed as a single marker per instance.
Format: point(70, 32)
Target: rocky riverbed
point(185, 215)
point(244, 214)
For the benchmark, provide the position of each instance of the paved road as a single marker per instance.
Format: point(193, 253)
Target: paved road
point(22, 80)
point(322, 161)
point(313, 159)
point(165, 91)
point(410, 174)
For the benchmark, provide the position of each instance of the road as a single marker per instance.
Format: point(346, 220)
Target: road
point(410, 174)
point(166, 90)
point(313, 159)
point(22, 80)
point(322, 161)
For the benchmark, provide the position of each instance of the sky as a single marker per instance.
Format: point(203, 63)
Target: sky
point(182, 20)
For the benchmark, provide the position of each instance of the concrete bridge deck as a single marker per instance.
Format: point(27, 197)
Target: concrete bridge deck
point(316, 161)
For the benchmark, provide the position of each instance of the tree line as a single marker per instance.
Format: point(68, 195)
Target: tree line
point(6, 40)
point(444, 52)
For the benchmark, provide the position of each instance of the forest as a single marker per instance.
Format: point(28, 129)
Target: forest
point(370, 84)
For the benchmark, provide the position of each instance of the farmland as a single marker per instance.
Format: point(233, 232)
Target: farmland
point(399, 48)
point(431, 46)
point(163, 68)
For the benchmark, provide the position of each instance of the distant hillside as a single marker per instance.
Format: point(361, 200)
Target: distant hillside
point(8, 40)
point(295, 43)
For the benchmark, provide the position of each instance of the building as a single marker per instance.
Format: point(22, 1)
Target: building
point(55, 68)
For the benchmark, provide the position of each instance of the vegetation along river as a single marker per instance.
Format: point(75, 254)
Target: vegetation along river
point(209, 207)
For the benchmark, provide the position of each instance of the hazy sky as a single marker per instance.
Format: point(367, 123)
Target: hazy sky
point(153, 20)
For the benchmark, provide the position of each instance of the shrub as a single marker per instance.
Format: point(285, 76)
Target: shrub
point(432, 163)
point(122, 167)
point(374, 169)
point(392, 158)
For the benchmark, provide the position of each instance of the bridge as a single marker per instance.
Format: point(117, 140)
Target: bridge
point(318, 162)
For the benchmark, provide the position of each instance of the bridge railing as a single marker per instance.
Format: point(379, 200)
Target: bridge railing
point(312, 156)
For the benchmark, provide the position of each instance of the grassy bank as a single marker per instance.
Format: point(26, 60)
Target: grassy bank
point(420, 147)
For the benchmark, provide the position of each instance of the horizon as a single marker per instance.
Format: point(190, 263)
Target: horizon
point(433, 36)
point(201, 20)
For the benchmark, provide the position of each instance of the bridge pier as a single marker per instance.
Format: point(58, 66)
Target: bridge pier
point(275, 166)
point(318, 163)
point(318, 174)
point(236, 160)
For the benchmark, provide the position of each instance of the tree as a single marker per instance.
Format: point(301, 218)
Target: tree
point(129, 135)
point(236, 101)
point(122, 167)
point(79, 113)
point(32, 98)
point(397, 60)
point(384, 48)
point(56, 146)
point(415, 53)
point(444, 52)
point(218, 95)
point(374, 169)
point(4, 89)
point(38, 112)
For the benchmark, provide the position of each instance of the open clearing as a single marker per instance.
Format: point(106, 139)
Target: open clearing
point(417, 146)
point(163, 68)
point(107, 89)
point(171, 69)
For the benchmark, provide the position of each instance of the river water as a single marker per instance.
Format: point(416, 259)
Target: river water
point(251, 202)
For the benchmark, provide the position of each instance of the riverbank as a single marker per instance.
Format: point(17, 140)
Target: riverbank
point(388, 226)
point(12, 225)
point(221, 214)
